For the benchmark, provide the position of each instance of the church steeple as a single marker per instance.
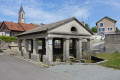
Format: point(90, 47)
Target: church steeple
point(21, 15)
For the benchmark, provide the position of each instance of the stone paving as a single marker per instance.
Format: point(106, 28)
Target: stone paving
point(87, 72)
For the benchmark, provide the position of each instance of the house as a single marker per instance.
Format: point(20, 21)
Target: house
point(13, 29)
point(106, 25)
point(65, 31)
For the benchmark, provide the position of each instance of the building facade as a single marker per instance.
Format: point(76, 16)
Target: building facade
point(65, 31)
point(106, 25)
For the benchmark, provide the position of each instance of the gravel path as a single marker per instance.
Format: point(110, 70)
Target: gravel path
point(87, 72)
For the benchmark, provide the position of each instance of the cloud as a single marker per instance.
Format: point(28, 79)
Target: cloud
point(38, 11)
point(9, 12)
point(113, 3)
point(67, 9)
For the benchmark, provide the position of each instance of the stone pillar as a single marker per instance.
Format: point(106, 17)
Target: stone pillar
point(89, 48)
point(49, 50)
point(79, 48)
point(26, 53)
point(66, 50)
point(35, 46)
point(25, 45)
point(19, 48)
point(19, 45)
point(35, 56)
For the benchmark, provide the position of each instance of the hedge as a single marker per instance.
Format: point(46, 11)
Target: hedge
point(1, 51)
point(8, 39)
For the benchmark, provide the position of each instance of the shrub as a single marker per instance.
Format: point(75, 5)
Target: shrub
point(1, 51)
point(8, 39)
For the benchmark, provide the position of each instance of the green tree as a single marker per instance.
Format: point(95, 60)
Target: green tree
point(87, 26)
point(117, 30)
point(94, 29)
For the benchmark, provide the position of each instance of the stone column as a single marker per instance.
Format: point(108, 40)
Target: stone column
point(49, 50)
point(66, 50)
point(35, 55)
point(89, 48)
point(26, 53)
point(25, 45)
point(19, 48)
point(19, 45)
point(79, 48)
point(35, 46)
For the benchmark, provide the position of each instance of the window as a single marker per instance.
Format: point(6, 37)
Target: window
point(73, 29)
point(22, 15)
point(101, 24)
point(109, 28)
point(101, 29)
point(26, 27)
point(11, 25)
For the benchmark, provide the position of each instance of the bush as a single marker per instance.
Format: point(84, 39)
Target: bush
point(8, 39)
point(1, 51)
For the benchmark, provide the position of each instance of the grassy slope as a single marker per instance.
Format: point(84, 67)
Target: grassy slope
point(113, 60)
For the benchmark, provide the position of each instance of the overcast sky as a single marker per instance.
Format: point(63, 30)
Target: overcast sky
point(48, 11)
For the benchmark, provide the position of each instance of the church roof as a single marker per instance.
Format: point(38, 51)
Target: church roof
point(21, 9)
point(51, 26)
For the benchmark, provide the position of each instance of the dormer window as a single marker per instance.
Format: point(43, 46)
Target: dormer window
point(11, 25)
point(26, 27)
point(74, 29)
point(18, 26)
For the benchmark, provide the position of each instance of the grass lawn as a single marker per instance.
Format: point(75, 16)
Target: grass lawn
point(113, 60)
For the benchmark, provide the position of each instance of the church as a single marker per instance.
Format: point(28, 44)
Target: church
point(13, 29)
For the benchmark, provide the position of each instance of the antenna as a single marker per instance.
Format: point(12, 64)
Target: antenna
point(82, 18)
point(88, 21)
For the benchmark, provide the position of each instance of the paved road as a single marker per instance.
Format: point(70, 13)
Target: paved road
point(87, 72)
point(12, 68)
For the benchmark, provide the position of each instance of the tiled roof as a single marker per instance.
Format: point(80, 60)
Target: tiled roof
point(13, 26)
point(47, 27)
point(27, 27)
point(19, 26)
point(108, 18)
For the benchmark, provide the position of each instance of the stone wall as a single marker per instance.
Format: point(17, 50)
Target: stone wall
point(112, 43)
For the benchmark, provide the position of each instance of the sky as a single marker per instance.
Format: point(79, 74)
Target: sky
point(49, 11)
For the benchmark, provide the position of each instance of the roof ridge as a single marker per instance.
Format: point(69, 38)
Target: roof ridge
point(22, 27)
point(106, 17)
